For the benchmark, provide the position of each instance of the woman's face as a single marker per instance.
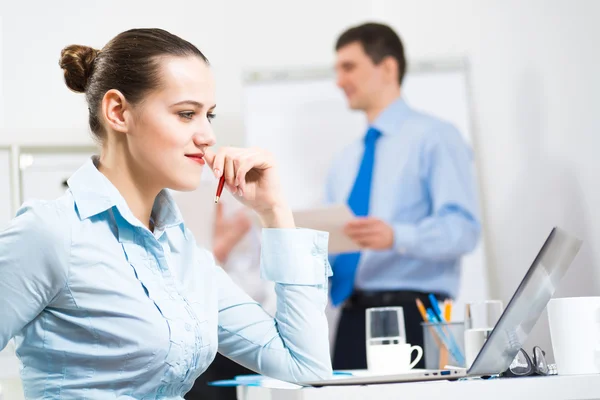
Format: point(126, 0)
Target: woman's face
point(171, 127)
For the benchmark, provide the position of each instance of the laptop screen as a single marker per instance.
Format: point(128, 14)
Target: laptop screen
point(527, 304)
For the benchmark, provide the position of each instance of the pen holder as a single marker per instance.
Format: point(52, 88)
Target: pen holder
point(444, 344)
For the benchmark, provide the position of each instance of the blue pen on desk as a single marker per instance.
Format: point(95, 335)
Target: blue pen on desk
point(233, 383)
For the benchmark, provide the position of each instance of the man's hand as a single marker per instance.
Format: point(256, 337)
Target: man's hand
point(370, 233)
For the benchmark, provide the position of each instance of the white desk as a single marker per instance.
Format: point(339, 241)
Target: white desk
point(543, 388)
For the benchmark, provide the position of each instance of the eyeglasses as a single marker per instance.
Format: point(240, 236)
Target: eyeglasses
point(524, 365)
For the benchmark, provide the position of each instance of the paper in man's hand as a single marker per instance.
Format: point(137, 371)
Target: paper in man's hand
point(331, 219)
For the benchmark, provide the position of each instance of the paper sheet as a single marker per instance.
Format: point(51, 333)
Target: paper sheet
point(331, 219)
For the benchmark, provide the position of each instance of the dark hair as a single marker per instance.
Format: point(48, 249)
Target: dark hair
point(378, 41)
point(128, 63)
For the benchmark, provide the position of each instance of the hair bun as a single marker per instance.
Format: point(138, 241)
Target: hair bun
point(77, 63)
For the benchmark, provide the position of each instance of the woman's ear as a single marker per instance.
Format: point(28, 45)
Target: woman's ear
point(115, 110)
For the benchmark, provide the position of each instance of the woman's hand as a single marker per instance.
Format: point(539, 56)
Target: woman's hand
point(251, 175)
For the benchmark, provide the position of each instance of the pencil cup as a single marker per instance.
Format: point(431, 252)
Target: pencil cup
point(444, 344)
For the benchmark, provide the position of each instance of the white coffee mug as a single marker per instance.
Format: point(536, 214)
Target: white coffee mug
point(474, 340)
point(575, 333)
point(393, 358)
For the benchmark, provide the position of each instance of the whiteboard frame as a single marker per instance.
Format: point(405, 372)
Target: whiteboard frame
point(295, 74)
point(448, 64)
point(18, 168)
point(13, 172)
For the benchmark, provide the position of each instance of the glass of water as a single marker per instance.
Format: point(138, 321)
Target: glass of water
point(386, 335)
point(483, 314)
point(480, 319)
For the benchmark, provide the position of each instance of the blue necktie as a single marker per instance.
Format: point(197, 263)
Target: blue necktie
point(344, 266)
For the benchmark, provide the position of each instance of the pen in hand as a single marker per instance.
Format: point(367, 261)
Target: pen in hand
point(220, 188)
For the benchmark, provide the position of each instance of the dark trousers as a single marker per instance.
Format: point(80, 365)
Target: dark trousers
point(350, 344)
point(221, 368)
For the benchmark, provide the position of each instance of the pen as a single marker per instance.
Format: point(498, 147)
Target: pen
point(448, 310)
point(432, 317)
point(220, 188)
point(422, 310)
point(436, 308)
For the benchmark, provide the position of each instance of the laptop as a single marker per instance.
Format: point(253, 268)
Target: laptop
point(512, 329)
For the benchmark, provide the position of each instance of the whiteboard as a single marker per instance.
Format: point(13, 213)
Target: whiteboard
point(6, 212)
point(303, 119)
point(44, 171)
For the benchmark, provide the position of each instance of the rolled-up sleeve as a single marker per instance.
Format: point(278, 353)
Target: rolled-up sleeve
point(453, 228)
point(303, 252)
point(294, 345)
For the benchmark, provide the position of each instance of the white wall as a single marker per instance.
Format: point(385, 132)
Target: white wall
point(535, 85)
point(534, 81)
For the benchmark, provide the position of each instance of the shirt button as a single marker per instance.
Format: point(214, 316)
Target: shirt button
point(188, 327)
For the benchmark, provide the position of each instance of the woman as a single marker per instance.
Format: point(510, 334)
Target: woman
point(104, 289)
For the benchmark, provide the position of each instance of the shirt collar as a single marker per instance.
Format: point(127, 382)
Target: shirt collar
point(94, 193)
point(391, 118)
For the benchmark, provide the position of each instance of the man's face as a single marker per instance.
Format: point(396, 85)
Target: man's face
point(359, 77)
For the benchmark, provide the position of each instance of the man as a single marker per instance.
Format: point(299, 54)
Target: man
point(409, 181)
